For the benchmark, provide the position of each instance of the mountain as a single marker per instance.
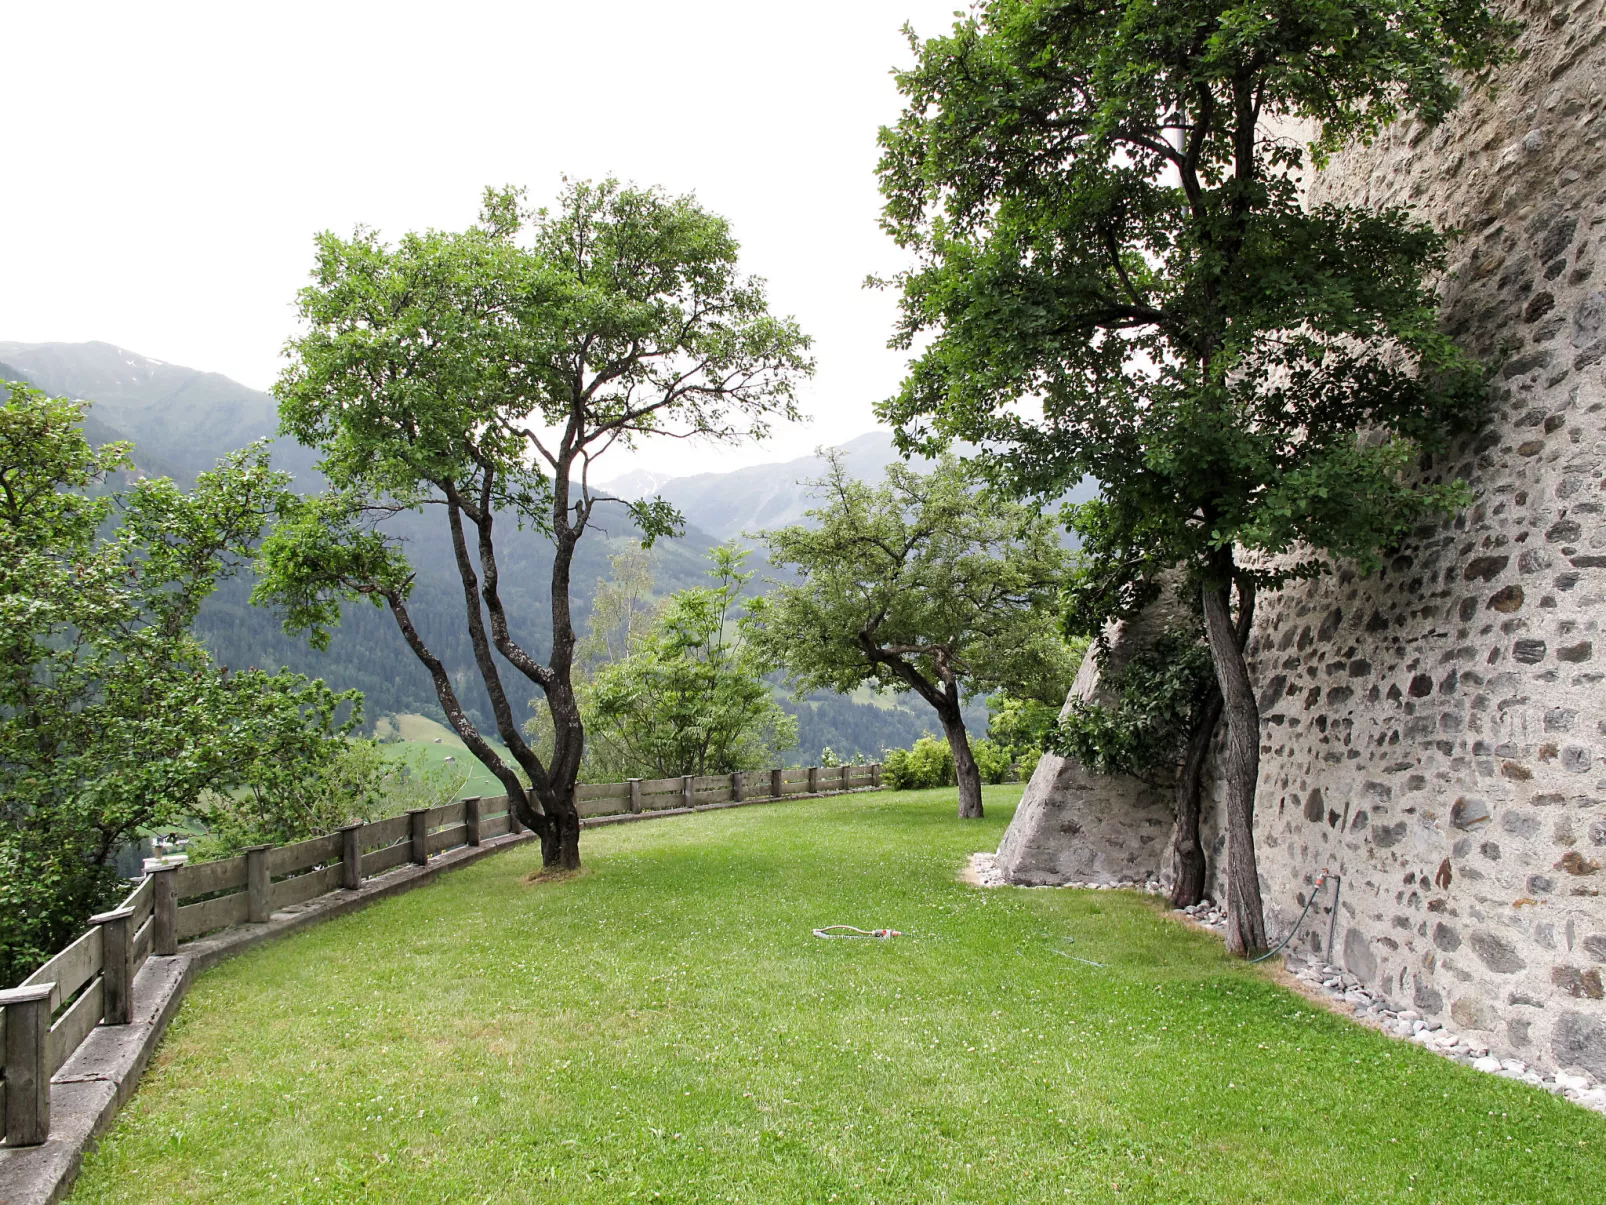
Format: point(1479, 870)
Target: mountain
point(764, 496)
point(99, 434)
point(182, 420)
point(179, 416)
point(761, 496)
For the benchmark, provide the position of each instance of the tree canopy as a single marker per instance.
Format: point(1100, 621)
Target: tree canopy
point(922, 583)
point(689, 695)
point(479, 375)
point(113, 719)
point(1116, 276)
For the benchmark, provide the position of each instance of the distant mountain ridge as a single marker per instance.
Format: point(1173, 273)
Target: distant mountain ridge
point(181, 421)
point(766, 496)
point(181, 416)
point(761, 496)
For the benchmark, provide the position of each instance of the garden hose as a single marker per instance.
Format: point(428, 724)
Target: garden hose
point(1332, 924)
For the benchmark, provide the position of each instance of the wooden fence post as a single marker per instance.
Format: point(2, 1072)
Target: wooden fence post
point(845, 777)
point(27, 1084)
point(351, 856)
point(814, 780)
point(513, 824)
point(688, 794)
point(635, 796)
point(471, 818)
point(116, 965)
point(164, 911)
point(875, 774)
point(777, 782)
point(418, 831)
point(257, 885)
point(736, 787)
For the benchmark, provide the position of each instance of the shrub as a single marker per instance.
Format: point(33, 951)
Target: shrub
point(992, 760)
point(362, 783)
point(929, 764)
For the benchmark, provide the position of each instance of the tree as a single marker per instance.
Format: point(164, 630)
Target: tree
point(480, 377)
point(1116, 276)
point(113, 720)
point(921, 584)
point(622, 611)
point(690, 697)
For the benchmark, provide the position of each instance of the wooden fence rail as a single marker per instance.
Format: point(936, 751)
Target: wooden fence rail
point(45, 1018)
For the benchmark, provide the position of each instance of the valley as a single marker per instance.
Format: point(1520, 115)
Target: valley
point(181, 420)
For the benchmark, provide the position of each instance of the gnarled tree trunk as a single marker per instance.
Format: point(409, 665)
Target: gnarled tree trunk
point(1187, 847)
point(1246, 923)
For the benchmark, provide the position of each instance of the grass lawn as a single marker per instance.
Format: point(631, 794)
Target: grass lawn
point(665, 1028)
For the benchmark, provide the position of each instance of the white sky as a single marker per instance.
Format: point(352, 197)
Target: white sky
point(169, 163)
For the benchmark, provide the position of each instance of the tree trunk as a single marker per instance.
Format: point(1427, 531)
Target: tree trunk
point(1246, 924)
point(560, 840)
point(965, 771)
point(1187, 848)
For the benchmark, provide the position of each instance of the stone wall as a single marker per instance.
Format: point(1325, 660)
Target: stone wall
point(1074, 826)
point(1437, 733)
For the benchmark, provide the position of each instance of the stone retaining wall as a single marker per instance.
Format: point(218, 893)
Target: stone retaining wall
point(1437, 733)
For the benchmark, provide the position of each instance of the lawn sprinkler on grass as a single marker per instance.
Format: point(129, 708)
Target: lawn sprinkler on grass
point(851, 931)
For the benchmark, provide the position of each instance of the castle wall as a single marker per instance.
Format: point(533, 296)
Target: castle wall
point(1436, 733)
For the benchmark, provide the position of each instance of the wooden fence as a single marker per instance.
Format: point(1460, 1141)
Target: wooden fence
point(90, 983)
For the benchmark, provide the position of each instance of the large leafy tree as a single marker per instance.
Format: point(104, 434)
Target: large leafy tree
point(922, 583)
point(689, 697)
point(1116, 276)
point(478, 375)
point(113, 720)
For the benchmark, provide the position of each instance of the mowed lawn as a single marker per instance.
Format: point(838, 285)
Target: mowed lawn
point(665, 1028)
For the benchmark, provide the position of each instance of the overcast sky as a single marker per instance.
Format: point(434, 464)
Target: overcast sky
point(170, 163)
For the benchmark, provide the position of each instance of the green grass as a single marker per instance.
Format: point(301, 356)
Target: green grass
point(664, 1028)
point(433, 742)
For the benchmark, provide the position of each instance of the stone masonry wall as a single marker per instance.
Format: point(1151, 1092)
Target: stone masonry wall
point(1075, 826)
point(1437, 733)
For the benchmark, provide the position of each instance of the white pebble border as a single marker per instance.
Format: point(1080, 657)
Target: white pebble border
point(1345, 989)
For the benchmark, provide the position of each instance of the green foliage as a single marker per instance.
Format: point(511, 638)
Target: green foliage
point(1159, 696)
point(993, 760)
point(477, 376)
point(1020, 726)
point(1107, 226)
point(113, 720)
point(920, 580)
point(358, 781)
point(929, 763)
point(690, 696)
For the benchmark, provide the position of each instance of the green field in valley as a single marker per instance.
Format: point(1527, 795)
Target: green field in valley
point(437, 747)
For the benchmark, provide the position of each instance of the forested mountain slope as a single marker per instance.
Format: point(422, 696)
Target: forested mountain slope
point(182, 420)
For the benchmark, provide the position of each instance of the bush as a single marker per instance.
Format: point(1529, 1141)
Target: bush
point(992, 760)
point(929, 764)
point(362, 783)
